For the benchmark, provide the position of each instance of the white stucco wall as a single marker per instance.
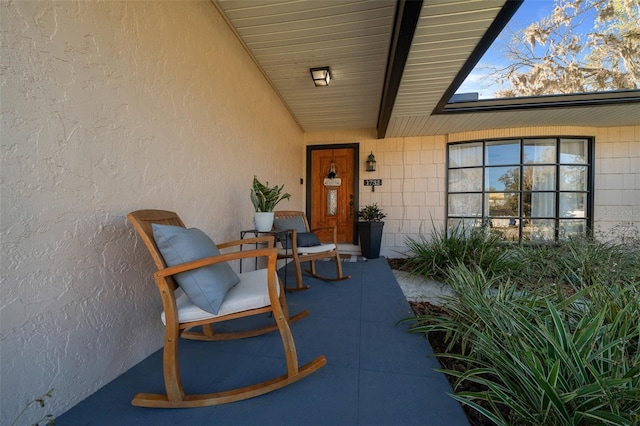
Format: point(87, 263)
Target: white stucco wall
point(108, 107)
point(413, 173)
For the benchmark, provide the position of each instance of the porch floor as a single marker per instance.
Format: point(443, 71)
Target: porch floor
point(376, 372)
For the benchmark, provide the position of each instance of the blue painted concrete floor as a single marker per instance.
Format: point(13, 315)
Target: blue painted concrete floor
point(376, 372)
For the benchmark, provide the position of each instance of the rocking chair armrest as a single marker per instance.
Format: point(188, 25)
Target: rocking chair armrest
point(269, 239)
point(270, 252)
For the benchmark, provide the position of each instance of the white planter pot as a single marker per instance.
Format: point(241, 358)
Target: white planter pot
point(263, 221)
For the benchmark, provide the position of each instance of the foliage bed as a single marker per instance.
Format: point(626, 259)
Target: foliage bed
point(547, 335)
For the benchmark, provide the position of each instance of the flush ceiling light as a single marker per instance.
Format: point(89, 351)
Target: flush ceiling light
point(321, 76)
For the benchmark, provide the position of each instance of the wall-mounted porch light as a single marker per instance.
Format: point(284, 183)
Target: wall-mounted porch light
point(321, 76)
point(371, 162)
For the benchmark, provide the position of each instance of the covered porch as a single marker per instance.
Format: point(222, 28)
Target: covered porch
point(376, 372)
point(110, 107)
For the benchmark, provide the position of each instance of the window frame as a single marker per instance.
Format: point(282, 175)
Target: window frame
point(557, 218)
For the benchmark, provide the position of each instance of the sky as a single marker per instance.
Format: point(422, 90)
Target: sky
point(530, 11)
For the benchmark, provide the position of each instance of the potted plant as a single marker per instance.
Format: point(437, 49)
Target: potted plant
point(264, 199)
point(370, 226)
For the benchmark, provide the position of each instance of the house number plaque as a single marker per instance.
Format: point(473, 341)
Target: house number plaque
point(373, 183)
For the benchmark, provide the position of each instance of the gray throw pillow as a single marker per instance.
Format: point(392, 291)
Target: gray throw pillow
point(307, 239)
point(206, 287)
point(303, 239)
point(296, 222)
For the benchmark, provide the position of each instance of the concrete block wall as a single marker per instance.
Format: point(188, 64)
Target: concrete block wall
point(617, 178)
point(413, 178)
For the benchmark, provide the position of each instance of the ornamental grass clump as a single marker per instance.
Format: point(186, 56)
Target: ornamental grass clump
point(538, 335)
point(537, 265)
point(543, 357)
point(433, 256)
point(588, 261)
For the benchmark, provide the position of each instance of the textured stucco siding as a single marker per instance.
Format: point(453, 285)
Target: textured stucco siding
point(108, 107)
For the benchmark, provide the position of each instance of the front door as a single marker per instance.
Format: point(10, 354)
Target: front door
point(331, 192)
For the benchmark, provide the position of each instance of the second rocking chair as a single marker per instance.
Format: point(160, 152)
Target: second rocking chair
point(302, 245)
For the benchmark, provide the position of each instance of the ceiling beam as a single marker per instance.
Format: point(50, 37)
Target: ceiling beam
point(404, 27)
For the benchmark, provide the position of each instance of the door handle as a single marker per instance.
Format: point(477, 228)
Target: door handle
point(351, 205)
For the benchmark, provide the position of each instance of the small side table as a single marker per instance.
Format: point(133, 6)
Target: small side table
point(242, 235)
point(256, 233)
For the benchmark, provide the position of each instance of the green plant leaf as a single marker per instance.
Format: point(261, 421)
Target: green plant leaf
point(265, 198)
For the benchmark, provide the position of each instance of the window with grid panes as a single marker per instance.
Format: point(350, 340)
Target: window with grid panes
point(525, 189)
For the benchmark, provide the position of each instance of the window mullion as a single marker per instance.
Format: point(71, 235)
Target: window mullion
point(556, 220)
point(521, 192)
point(484, 177)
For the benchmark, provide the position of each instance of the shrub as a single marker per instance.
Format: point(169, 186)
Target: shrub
point(538, 265)
point(548, 334)
point(544, 357)
point(432, 257)
point(588, 261)
point(371, 213)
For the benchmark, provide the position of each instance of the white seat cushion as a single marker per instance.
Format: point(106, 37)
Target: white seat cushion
point(250, 293)
point(307, 250)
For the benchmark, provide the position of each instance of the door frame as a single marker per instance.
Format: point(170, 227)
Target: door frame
point(356, 178)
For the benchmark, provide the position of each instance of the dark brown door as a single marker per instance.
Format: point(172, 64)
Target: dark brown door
point(332, 200)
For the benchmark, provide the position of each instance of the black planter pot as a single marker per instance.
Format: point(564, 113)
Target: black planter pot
point(370, 238)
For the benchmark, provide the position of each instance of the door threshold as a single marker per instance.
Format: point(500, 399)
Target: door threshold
point(346, 248)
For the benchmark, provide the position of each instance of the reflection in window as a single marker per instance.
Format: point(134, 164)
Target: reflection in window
point(502, 152)
point(573, 151)
point(567, 228)
point(538, 204)
point(539, 178)
point(572, 204)
point(502, 178)
point(465, 205)
point(539, 151)
point(534, 189)
point(538, 230)
point(502, 204)
point(573, 178)
point(462, 180)
point(464, 223)
point(466, 155)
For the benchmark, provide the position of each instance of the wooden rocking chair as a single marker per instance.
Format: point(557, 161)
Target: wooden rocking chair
point(257, 292)
point(302, 245)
